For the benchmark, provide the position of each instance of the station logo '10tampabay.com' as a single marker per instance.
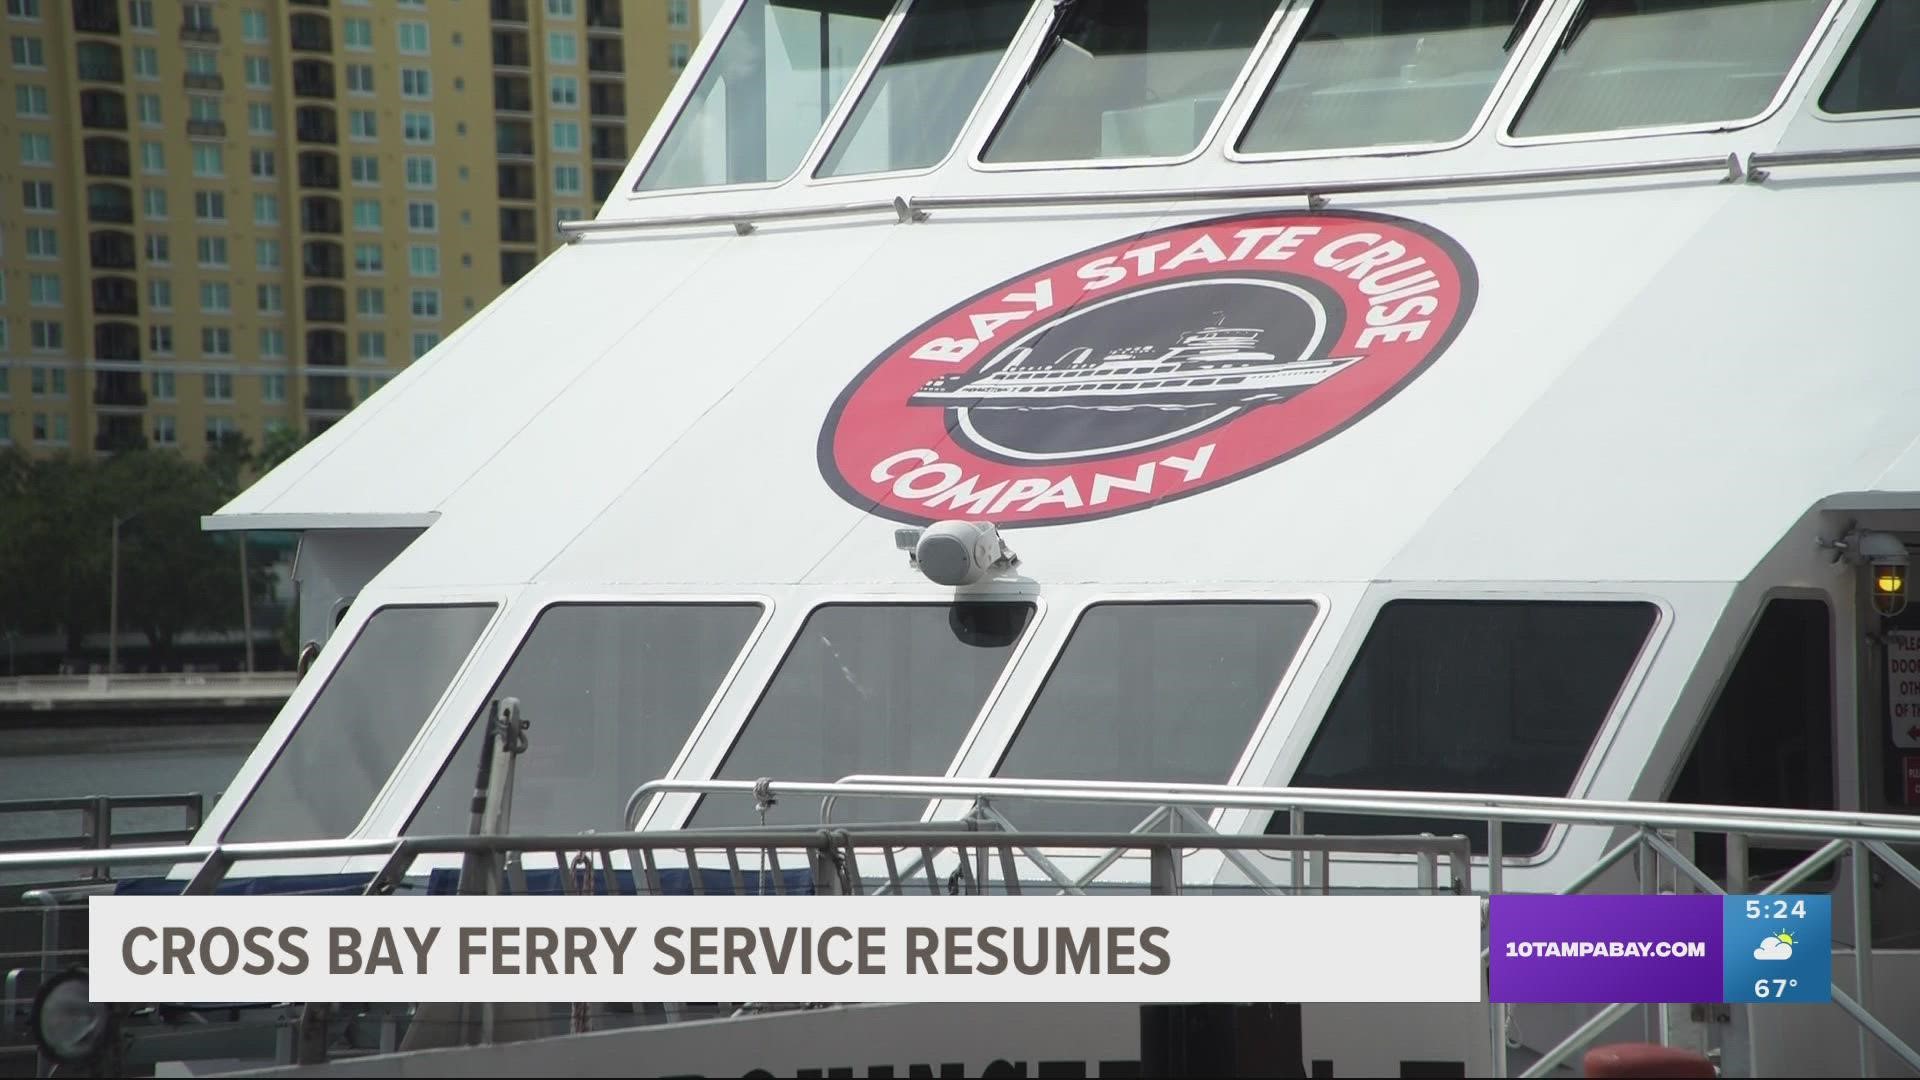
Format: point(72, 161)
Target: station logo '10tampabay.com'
point(1147, 369)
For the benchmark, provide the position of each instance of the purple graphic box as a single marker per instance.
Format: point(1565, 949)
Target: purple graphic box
point(1605, 949)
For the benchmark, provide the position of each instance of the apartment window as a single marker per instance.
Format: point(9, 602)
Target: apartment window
point(260, 164)
point(370, 302)
point(677, 13)
point(361, 124)
point(30, 100)
point(269, 300)
point(46, 335)
point(149, 108)
point(560, 9)
point(43, 244)
point(43, 290)
point(413, 38)
point(562, 48)
point(259, 75)
point(426, 303)
point(364, 168)
point(163, 384)
point(417, 127)
point(206, 110)
point(36, 149)
point(423, 342)
point(266, 209)
point(415, 83)
point(37, 380)
point(210, 205)
point(259, 118)
point(23, 9)
point(28, 52)
point(164, 432)
point(678, 53)
point(216, 297)
point(372, 346)
point(423, 260)
point(153, 157)
point(218, 341)
point(198, 16)
point(253, 26)
point(51, 430)
point(220, 429)
point(209, 160)
point(146, 62)
point(154, 202)
point(140, 14)
point(159, 249)
point(564, 92)
point(569, 213)
point(566, 136)
point(367, 258)
point(359, 78)
point(273, 388)
point(160, 343)
point(203, 62)
point(266, 254)
point(212, 250)
point(160, 294)
point(36, 195)
point(420, 172)
point(366, 214)
point(357, 33)
point(566, 179)
point(273, 343)
point(6, 421)
point(422, 217)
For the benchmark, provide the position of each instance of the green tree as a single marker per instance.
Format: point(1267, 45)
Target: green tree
point(175, 576)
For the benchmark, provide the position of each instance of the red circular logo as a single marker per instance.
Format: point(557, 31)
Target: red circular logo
point(1148, 369)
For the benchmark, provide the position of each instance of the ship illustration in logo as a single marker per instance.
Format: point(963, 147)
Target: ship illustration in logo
point(1207, 368)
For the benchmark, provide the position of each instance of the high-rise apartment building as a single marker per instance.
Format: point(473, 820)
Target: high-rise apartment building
point(231, 216)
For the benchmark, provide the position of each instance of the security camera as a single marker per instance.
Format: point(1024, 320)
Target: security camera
point(956, 553)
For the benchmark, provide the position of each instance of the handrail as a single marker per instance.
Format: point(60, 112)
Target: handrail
point(1758, 164)
point(913, 208)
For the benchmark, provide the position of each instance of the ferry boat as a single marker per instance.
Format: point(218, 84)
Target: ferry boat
point(1588, 572)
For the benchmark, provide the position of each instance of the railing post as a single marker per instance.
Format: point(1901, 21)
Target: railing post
point(1737, 863)
point(1296, 827)
point(1863, 944)
point(1496, 855)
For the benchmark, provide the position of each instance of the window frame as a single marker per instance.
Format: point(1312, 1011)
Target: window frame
point(674, 109)
point(1537, 69)
point(1830, 70)
point(1267, 69)
point(1028, 44)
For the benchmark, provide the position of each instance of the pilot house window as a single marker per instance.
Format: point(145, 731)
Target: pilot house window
point(1621, 64)
point(768, 91)
point(1882, 69)
point(1129, 79)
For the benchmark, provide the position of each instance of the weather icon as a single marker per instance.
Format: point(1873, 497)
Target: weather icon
point(1776, 947)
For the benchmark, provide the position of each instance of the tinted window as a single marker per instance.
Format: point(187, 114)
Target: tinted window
point(928, 82)
point(360, 723)
point(771, 86)
point(1162, 692)
point(1882, 68)
point(1652, 63)
point(1502, 697)
point(1385, 73)
point(611, 692)
point(870, 688)
point(1129, 78)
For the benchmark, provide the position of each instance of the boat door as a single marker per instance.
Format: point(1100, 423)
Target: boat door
point(1889, 735)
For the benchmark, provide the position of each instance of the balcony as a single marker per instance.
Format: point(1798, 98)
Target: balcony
point(203, 80)
point(308, 3)
point(516, 225)
point(603, 14)
point(323, 259)
point(205, 33)
point(606, 55)
point(604, 181)
point(607, 99)
point(115, 296)
point(316, 124)
point(513, 138)
point(326, 303)
point(327, 348)
point(103, 110)
point(313, 79)
point(119, 433)
point(514, 11)
point(107, 156)
point(516, 181)
point(96, 16)
point(110, 249)
point(328, 393)
point(321, 214)
point(98, 61)
point(319, 169)
point(117, 341)
point(514, 265)
point(118, 389)
point(207, 129)
point(512, 94)
point(110, 204)
point(610, 142)
point(310, 33)
point(510, 49)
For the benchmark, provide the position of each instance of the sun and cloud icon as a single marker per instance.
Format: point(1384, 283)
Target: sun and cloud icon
point(1777, 946)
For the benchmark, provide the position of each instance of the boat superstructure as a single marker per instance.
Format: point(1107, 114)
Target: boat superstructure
point(1533, 533)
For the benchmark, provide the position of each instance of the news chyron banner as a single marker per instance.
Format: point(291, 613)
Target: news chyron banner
point(1660, 949)
point(791, 948)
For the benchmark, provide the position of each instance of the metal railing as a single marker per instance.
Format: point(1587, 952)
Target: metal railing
point(96, 814)
point(167, 684)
